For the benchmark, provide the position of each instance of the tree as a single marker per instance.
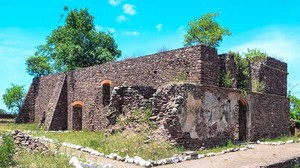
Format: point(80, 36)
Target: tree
point(205, 31)
point(78, 44)
point(2, 111)
point(38, 66)
point(294, 107)
point(13, 97)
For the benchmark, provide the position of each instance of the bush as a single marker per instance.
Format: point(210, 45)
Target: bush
point(258, 87)
point(255, 55)
point(7, 151)
point(242, 74)
point(226, 80)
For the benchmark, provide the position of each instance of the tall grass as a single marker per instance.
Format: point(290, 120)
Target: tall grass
point(41, 160)
point(21, 127)
point(121, 143)
point(7, 151)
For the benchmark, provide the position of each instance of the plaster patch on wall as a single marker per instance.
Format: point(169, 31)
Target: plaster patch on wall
point(189, 116)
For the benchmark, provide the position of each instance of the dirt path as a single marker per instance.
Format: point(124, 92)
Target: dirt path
point(261, 155)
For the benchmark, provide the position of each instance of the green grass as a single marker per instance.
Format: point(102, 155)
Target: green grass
point(123, 144)
point(7, 151)
point(126, 143)
point(282, 139)
point(39, 160)
point(22, 127)
point(217, 149)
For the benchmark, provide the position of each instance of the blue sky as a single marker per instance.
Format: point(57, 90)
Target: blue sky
point(144, 27)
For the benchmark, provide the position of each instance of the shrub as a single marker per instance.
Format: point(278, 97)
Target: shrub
point(226, 80)
point(7, 151)
point(242, 71)
point(258, 87)
point(254, 55)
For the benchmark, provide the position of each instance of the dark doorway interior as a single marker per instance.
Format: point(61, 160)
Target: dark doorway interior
point(106, 94)
point(77, 117)
point(242, 121)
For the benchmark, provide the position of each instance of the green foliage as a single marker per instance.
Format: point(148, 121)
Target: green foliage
point(243, 71)
point(294, 107)
point(38, 66)
point(7, 151)
point(226, 80)
point(205, 31)
point(255, 55)
point(229, 144)
point(41, 160)
point(258, 87)
point(2, 111)
point(132, 144)
point(78, 44)
point(21, 127)
point(280, 139)
point(242, 74)
point(13, 97)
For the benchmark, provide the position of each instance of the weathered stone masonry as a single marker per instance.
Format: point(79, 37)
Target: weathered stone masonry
point(196, 114)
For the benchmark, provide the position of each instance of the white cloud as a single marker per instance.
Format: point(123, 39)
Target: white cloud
point(114, 2)
point(159, 27)
point(112, 30)
point(275, 42)
point(129, 9)
point(132, 33)
point(105, 29)
point(121, 19)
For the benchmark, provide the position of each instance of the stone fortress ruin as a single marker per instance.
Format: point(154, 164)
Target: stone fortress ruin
point(180, 87)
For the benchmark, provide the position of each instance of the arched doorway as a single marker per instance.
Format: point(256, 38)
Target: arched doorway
point(77, 115)
point(242, 120)
point(106, 84)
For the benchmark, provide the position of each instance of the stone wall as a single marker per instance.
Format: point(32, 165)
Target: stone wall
point(273, 73)
point(193, 64)
point(269, 116)
point(196, 116)
point(27, 113)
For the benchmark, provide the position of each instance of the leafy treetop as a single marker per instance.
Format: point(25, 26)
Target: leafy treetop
point(205, 31)
point(38, 66)
point(255, 54)
point(13, 97)
point(294, 107)
point(78, 44)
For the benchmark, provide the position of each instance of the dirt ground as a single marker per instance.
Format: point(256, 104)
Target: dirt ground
point(261, 155)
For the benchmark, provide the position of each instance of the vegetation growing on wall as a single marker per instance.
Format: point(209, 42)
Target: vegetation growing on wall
point(243, 63)
point(136, 118)
point(226, 80)
point(258, 86)
point(205, 30)
point(242, 71)
point(181, 77)
point(255, 55)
